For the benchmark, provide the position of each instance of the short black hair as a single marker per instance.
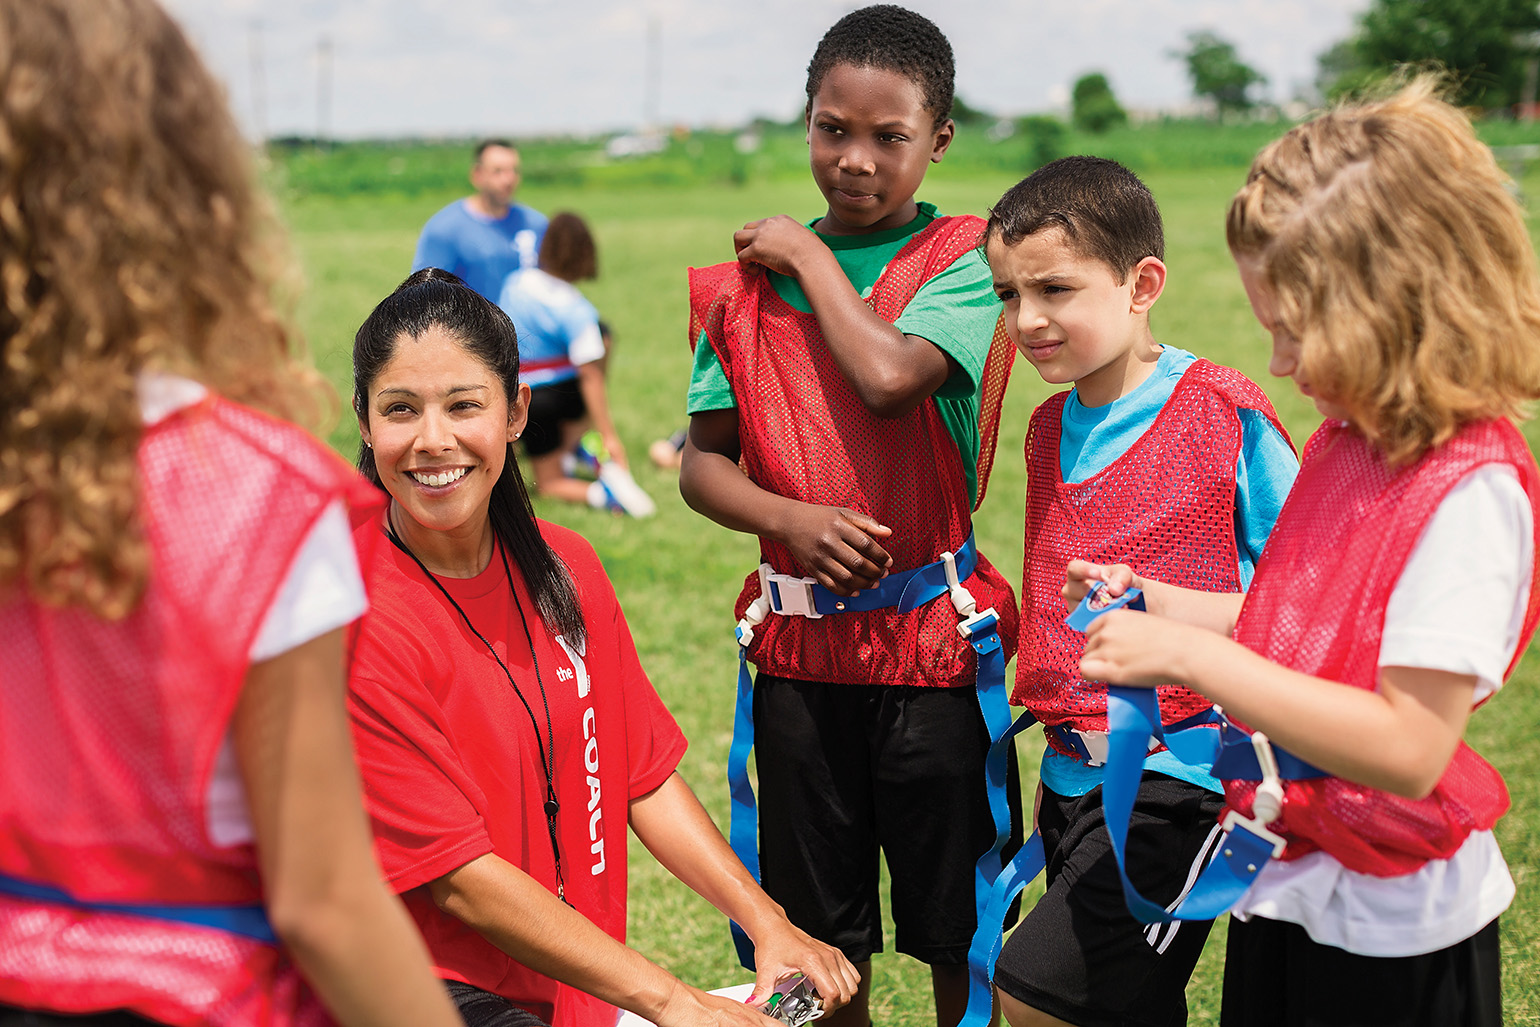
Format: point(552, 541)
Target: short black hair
point(895, 39)
point(486, 144)
point(1105, 210)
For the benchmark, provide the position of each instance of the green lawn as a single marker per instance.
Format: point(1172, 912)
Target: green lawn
point(678, 573)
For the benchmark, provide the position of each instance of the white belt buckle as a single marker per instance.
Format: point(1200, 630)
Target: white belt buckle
point(796, 594)
point(1095, 743)
point(1096, 746)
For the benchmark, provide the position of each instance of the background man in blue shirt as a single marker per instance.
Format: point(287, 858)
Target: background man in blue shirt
point(486, 236)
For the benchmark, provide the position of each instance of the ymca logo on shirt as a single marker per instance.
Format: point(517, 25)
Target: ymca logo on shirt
point(578, 670)
point(578, 674)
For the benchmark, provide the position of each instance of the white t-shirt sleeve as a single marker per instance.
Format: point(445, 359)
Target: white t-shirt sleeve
point(587, 344)
point(580, 321)
point(1459, 603)
point(1458, 606)
point(323, 591)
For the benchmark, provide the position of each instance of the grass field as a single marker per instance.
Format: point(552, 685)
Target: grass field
point(677, 573)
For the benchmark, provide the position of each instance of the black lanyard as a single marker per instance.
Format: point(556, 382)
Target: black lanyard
point(547, 755)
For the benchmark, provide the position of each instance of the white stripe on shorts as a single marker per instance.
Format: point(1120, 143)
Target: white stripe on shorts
point(1160, 936)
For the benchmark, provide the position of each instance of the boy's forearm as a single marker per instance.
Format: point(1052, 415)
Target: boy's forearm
point(714, 485)
point(595, 394)
point(890, 372)
point(1213, 611)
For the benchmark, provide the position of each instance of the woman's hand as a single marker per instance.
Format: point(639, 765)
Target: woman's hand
point(1080, 576)
point(837, 546)
point(783, 949)
point(671, 822)
point(692, 1007)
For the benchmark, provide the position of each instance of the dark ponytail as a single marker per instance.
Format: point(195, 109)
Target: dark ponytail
point(434, 298)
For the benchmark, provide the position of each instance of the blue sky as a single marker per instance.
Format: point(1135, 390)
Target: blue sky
point(579, 66)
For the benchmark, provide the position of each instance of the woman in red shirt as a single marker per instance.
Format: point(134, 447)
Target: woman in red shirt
point(507, 732)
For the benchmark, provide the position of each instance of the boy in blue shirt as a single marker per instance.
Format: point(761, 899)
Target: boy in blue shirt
point(1156, 459)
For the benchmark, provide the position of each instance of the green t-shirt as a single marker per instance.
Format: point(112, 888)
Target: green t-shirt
point(955, 311)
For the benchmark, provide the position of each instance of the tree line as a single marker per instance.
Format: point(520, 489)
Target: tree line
point(1489, 48)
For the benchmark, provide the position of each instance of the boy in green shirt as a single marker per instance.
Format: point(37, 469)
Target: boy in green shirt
point(843, 408)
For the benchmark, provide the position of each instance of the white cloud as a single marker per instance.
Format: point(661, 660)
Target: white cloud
point(400, 67)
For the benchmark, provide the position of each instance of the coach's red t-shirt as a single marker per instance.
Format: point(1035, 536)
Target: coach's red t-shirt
point(450, 762)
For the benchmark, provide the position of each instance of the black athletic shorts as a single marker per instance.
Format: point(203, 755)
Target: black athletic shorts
point(1276, 976)
point(846, 770)
point(480, 1008)
point(11, 1016)
point(1079, 954)
point(549, 407)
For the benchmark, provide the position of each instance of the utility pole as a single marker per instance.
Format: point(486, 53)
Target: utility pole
point(323, 92)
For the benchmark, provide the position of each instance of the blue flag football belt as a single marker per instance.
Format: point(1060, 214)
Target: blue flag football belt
point(1209, 739)
point(995, 885)
point(1134, 729)
point(1133, 719)
point(246, 921)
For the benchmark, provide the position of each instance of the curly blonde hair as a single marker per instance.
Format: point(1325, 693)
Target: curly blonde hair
point(132, 237)
point(1399, 259)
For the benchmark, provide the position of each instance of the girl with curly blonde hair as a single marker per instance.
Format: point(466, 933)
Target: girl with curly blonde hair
point(1383, 252)
point(182, 837)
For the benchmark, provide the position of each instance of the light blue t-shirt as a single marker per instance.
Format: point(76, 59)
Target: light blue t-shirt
point(482, 251)
point(558, 328)
point(1091, 438)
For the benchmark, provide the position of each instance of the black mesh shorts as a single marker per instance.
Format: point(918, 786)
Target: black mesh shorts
point(1276, 976)
point(13, 1016)
point(1079, 954)
point(550, 406)
point(848, 770)
point(480, 1008)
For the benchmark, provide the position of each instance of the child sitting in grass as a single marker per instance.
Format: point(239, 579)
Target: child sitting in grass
point(562, 349)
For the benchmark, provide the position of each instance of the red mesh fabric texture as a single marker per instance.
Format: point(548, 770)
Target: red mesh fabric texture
point(997, 374)
point(69, 961)
point(805, 434)
point(109, 730)
point(1317, 605)
point(1166, 508)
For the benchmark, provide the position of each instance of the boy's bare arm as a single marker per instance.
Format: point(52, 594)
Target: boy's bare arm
point(891, 373)
point(837, 546)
